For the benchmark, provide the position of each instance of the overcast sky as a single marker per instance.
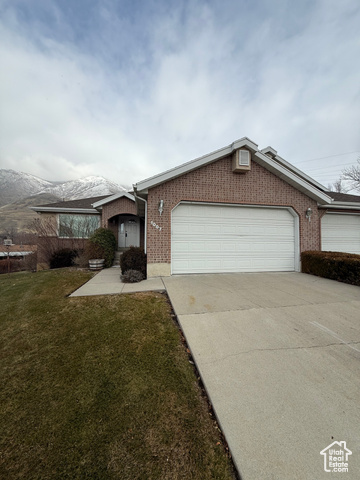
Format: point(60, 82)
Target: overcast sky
point(128, 88)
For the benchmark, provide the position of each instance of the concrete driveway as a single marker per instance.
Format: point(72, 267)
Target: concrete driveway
point(279, 354)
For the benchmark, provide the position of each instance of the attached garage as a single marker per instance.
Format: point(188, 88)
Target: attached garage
point(210, 238)
point(340, 232)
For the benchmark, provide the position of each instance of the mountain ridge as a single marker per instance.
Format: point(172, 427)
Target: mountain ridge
point(19, 191)
point(16, 185)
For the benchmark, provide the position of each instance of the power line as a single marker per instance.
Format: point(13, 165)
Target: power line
point(329, 156)
point(330, 167)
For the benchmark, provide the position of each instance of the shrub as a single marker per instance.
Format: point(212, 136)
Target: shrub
point(14, 265)
point(343, 267)
point(103, 243)
point(63, 258)
point(132, 276)
point(82, 259)
point(133, 259)
point(29, 262)
point(92, 251)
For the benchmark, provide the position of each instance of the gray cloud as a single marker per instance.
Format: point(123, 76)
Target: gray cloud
point(140, 93)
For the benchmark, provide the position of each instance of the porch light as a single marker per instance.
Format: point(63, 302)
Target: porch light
point(161, 206)
point(308, 213)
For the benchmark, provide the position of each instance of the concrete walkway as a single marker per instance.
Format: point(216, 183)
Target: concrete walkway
point(107, 282)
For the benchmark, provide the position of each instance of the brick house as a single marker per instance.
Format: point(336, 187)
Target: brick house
point(241, 209)
point(238, 209)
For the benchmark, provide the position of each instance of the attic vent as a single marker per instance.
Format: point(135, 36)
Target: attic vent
point(7, 242)
point(241, 161)
point(244, 158)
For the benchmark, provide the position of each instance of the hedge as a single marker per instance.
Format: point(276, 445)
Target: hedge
point(343, 267)
point(63, 258)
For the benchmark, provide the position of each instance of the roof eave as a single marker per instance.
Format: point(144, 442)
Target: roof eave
point(299, 172)
point(64, 210)
point(343, 205)
point(278, 166)
point(142, 187)
point(292, 178)
point(112, 198)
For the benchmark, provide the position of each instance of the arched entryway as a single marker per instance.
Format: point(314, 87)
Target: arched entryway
point(129, 231)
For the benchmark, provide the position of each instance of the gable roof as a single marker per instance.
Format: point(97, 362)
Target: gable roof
point(83, 205)
point(267, 158)
point(100, 203)
point(344, 197)
point(343, 201)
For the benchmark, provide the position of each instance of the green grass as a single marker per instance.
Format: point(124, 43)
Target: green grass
point(98, 387)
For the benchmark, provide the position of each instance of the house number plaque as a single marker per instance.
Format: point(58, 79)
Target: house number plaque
point(155, 225)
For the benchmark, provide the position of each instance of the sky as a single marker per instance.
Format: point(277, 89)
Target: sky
point(126, 89)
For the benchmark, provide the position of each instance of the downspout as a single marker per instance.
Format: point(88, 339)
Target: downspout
point(145, 201)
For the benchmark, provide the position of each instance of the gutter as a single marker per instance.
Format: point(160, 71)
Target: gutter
point(64, 210)
point(145, 201)
point(342, 206)
point(292, 178)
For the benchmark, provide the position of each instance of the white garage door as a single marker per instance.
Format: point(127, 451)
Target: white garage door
point(340, 233)
point(217, 238)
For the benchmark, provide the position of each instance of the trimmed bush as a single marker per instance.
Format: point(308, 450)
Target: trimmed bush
point(132, 276)
point(63, 258)
point(133, 259)
point(343, 267)
point(102, 243)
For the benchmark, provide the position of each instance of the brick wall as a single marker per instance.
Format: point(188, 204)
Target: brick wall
point(48, 245)
point(121, 206)
point(217, 183)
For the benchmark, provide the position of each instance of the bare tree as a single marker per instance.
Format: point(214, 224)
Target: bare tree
point(352, 175)
point(51, 237)
point(338, 186)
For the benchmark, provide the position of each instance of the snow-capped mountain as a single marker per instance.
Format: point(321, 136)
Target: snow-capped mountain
point(84, 187)
point(18, 185)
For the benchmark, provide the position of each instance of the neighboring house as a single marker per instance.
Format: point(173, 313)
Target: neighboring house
point(70, 223)
point(238, 209)
point(16, 251)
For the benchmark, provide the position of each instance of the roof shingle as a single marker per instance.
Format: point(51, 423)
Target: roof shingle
point(81, 203)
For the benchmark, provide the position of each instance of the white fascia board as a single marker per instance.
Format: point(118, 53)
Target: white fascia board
point(300, 173)
point(269, 150)
point(64, 210)
point(292, 178)
point(112, 198)
point(141, 187)
point(343, 206)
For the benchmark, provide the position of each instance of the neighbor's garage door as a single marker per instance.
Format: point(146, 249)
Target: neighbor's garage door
point(340, 233)
point(213, 239)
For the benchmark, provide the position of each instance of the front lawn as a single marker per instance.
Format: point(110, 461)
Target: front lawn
point(98, 387)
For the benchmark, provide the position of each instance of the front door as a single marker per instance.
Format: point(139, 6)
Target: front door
point(129, 232)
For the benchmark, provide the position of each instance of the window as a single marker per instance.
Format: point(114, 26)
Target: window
point(78, 226)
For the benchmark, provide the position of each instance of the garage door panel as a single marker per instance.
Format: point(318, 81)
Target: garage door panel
point(340, 233)
point(211, 238)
